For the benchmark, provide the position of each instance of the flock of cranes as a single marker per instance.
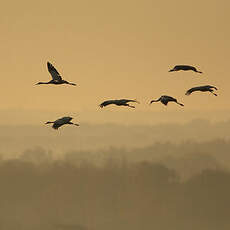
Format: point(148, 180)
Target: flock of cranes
point(164, 99)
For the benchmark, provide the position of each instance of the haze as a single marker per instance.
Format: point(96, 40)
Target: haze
point(152, 167)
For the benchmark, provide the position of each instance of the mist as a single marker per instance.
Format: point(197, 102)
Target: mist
point(160, 186)
point(15, 139)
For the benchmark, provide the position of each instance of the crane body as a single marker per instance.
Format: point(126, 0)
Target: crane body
point(164, 99)
point(204, 88)
point(184, 68)
point(61, 121)
point(119, 102)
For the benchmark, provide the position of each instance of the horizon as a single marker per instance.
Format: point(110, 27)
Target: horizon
point(114, 115)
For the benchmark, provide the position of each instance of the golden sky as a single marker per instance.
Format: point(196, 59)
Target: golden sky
point(113, 49)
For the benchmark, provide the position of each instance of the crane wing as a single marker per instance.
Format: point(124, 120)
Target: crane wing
point(66, 119)
point(61, 121)
point(128, 100)
point(169, 98)
point(188, 92)
point(105, 103)
point(54, 73)
point(193, 90)
point(56, 125)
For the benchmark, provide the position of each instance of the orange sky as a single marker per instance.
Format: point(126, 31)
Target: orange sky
point(113, 49)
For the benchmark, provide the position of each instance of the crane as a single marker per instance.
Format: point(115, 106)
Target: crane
point(185, 68)
point(120, 102)
point(204, 88)
point(56, 77)
point(164, 99)
point(61, 121)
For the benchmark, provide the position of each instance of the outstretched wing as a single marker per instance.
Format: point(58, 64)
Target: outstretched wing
point(105, 103)
point(189, 91)
point(56, 125)
point(54, 73)
point(128, 100)
point(165, 99)
point(168, 98)
point(66, 119)
point(193, 90)
point(61, 121)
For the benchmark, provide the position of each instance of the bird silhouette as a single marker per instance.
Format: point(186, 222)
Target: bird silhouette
point(165, 99)
point(120, 102)
point(61, 121)
point(204, 88)
point(185, 68)
point(56, 77)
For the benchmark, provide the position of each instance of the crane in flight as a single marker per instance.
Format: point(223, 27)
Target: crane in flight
point(164, 99)
point(56, 77)
point(185, 68)
point(61, 121)
point(120, 102)
point(204, 88)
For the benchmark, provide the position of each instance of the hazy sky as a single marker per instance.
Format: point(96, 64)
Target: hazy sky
point(113, 49)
